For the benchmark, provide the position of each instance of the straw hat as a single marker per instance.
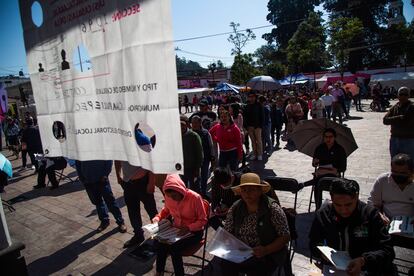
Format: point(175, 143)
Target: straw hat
point(251, 179)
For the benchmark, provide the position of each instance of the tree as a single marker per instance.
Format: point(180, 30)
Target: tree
point(268, 62)
point(373, 16)
point(306, 49)
point(186, 68)
point(220, 64)
point(239, 39)
point(286, 16)
point(342, 32)
point(243, 69)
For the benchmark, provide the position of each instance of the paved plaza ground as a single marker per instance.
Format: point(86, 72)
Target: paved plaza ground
point(58, 227)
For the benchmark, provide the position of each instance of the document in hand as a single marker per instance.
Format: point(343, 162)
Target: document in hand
point(226, 246)
point(340, 259)
point(402, 225)
point(164, 232)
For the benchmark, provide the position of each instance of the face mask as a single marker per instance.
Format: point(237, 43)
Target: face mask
point(400, 178)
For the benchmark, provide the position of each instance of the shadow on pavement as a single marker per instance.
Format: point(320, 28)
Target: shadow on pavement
point(65, 256)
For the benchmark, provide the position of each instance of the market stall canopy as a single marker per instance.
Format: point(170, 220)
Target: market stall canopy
point(294, 79)
point(394, 79)
point(263, 83)
point(227, 87)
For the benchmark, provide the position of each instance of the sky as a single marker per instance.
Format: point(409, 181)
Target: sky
point(191, 18)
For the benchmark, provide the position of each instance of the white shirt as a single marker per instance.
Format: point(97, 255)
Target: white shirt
point(327, 99)
point(393, 201)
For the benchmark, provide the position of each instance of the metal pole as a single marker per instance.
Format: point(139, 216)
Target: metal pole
point(5, 240)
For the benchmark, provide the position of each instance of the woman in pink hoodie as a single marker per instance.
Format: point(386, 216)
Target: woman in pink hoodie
point(189, 214)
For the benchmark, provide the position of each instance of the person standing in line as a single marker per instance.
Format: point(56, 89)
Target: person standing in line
point(338, 96)
point(138, 185)
point(267, 125)
point(31, 142)
point(317, 106)
point(208, 152)
point(401, 118)
point(278, 119)
point(193, 155)
point(327, 99)
point(94, 176)
point(253, 120)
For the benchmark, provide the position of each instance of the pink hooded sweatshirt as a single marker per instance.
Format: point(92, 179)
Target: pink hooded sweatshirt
point(190, 211)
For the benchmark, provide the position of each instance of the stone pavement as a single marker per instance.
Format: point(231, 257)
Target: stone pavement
point(58, 227)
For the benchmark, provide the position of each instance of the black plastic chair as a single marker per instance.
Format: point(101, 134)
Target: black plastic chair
point(285, 184)
point(313, 189)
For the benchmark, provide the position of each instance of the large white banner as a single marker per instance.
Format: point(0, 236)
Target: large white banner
point(104, 80)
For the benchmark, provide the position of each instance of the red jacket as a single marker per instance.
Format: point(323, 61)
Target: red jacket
point(190, 211)
point(228, 138)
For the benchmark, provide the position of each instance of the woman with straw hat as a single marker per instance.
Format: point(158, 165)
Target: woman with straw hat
point(260, 222)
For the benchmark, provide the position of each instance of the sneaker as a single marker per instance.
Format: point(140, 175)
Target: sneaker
point(38, 186)
point(259, 157)
point(135, 240)
point(252, 157)
point(103, 226)
point(122, 228)
point(32, 167)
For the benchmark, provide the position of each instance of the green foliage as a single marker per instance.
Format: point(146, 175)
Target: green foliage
point(220, 64)
point(342, 32)
point(268, 62)
point(186, 68)
point(243, 69)
point(306, 49)
point(239, 39)
point(286, 16)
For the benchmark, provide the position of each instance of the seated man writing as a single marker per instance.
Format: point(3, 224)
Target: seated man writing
point(393, 192)
point(347, 224)
point(329, 159)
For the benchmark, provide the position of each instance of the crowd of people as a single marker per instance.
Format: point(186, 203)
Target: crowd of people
point(222, 143)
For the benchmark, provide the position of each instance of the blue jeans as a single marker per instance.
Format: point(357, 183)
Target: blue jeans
point(229, 158)
point(204, 176)
point(327, 112)
point(402, 145)
point(100, 194)
point(267, 142)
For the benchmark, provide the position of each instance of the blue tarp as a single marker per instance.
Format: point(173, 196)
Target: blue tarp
point(227, 87)
point(294, 79)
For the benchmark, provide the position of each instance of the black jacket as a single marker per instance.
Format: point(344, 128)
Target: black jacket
point(362, 234)
point(31, 136)
point(253, 115)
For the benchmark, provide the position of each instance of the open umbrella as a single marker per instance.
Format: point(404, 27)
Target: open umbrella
point(263, 83)
point(307, 135)
point(5, 165)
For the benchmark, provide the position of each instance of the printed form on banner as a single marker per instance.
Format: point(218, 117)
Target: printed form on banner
point(104, 80)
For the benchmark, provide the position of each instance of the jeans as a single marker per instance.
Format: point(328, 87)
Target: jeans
point(327, 111)
point(337, 111)
point(175, 250)
point(31, 156)
point(229, 158)
point(266, 140)
point(204, 176)
point(357, 102)
point(348, 104)
point(135, 192)
point(402, 145)
point(100, 194)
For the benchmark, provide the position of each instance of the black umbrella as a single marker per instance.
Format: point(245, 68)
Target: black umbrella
point(307, 135)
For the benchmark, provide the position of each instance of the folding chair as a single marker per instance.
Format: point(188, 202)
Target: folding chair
point(287, 185)
point(60, 175)
point(192, 250)
point(313, 190)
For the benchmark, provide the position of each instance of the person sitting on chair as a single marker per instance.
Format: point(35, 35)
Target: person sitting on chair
point(48, 166)
point(393, 192)
point(329, 159)
point(347, 224)
point(188, 213)
point(260, 222)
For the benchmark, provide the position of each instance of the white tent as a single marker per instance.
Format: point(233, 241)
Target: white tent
point(394, 79)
